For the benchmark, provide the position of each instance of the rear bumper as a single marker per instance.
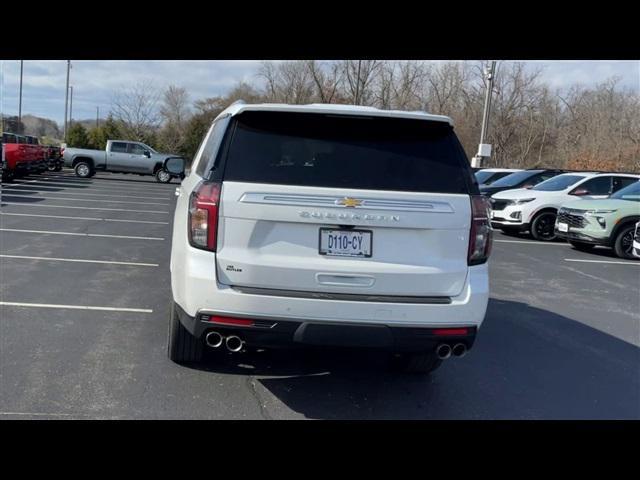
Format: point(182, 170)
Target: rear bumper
point(289, 333)
point(197, 292)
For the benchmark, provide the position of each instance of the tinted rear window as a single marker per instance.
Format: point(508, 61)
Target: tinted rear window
point(347, 152)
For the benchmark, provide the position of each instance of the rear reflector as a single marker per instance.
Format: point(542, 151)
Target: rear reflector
point(450, 331)
point(232, 321)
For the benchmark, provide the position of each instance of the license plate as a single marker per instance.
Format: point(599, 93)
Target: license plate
point(345, 243)
point(563, 227)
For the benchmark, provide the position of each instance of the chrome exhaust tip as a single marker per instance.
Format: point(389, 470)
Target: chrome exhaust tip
point(234, 343)
point(459, 350)
point(214, 339)
point(443, 351)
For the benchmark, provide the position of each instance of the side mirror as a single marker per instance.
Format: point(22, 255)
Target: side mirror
point(580, 192)
point(174, 165)
point(147, 153)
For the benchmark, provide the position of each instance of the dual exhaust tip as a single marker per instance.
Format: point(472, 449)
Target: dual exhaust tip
point(444, 350)
point(215, 340)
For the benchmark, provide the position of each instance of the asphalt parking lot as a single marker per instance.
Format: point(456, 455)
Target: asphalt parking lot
point(84, 297)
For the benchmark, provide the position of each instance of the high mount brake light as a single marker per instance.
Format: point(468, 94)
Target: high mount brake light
point(203, 215)
point(481, 235)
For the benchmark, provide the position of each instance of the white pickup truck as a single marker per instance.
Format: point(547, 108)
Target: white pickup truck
point(120, 156)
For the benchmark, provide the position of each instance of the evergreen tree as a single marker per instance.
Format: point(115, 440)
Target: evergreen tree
point(77, 137)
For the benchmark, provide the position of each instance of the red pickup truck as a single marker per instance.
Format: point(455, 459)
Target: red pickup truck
point(23, 155)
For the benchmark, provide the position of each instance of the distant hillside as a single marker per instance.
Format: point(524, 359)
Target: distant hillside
point(32, 125)
point(90, 123)
point(41, 127)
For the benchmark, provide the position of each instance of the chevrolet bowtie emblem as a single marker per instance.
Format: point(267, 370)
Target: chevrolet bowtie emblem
point(349, 202)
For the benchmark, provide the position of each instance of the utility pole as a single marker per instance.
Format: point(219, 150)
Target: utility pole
point(484, 150)
point(20, 99)
point(71, 107)
point(66, 101)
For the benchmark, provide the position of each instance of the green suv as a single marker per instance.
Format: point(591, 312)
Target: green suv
point(609, 222)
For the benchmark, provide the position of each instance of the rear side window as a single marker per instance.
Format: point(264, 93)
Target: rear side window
point(211, 146)
point(598, 186)
point(135, 149)
point(622, 182)
point(344, 151)
point(119, 147)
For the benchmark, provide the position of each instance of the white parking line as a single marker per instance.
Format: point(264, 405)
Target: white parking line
point(47, 232)
point(77, 307)
point(534, 243)
point(83, 218)
point(115, 183)
point(82, 208)
point(5, 194)
point(30, 414)
point(52, 259)
point(637, 264)
point(75, 179)
point(55, 183)
point(34, 189)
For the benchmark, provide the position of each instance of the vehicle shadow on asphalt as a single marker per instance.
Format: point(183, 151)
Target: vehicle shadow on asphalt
point(20, 198)
point(527, 363)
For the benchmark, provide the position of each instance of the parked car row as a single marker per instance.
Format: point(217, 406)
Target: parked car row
point(23, 154)
point(585, 208)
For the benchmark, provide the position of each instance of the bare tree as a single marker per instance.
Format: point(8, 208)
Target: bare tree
point(175, 113)
point(136, 110)
point(326, 78)
point(359, 78)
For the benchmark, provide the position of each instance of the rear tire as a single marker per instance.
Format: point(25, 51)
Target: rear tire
point(542, 227)
point(623, 245)
point(83, 170)
point(583, 247)
point(7, 176)
point(182, 347)
point(58, 168)
point(162, 176)
point(422, 362)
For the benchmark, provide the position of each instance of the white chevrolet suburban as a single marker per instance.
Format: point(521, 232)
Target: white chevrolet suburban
point(329, 225)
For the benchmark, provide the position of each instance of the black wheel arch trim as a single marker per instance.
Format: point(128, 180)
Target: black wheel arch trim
point(626, 221)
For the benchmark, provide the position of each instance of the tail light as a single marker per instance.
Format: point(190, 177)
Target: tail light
point(481, 235)
point(203, 216)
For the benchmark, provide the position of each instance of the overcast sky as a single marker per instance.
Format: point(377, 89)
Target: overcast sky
point(95, 81)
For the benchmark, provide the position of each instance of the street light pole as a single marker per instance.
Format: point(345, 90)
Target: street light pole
point(484, 150)
point(487, 101)
point(66, 101)
point(20, 98)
